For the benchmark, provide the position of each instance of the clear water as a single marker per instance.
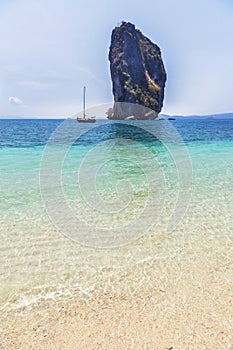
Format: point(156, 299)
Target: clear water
point(38, 262)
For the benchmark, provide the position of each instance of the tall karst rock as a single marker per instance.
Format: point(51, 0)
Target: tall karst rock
point(137, 72)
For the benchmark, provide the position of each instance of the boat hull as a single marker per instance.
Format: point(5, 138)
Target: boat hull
point(84, 120)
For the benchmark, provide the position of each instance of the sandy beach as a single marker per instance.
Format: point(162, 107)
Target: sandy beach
point(186, 303)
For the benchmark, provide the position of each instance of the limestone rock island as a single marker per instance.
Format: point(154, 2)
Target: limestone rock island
point(137, 72)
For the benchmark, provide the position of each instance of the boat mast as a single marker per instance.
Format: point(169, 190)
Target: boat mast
point(84, 102)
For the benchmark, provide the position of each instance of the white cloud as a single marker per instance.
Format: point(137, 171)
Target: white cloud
point(15, 100)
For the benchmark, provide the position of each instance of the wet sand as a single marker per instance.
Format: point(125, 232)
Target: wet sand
point(188, 305)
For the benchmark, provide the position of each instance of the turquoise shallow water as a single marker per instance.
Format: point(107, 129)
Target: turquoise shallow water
point(39, 262)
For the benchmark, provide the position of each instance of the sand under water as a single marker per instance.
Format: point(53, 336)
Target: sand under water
point(158, 290)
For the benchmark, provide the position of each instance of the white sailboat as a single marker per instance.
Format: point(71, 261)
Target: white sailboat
point(84, 119)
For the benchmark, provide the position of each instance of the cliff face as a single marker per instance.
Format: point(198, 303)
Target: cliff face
point(137, 72)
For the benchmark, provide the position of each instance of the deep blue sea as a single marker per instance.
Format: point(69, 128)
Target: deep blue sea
point(36, 132)
point(140, 190)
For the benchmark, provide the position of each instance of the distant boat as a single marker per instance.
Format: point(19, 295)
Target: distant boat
point(171, 118)
point(84, 119)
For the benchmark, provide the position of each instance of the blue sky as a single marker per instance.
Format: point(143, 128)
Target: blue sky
point(49, 49)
